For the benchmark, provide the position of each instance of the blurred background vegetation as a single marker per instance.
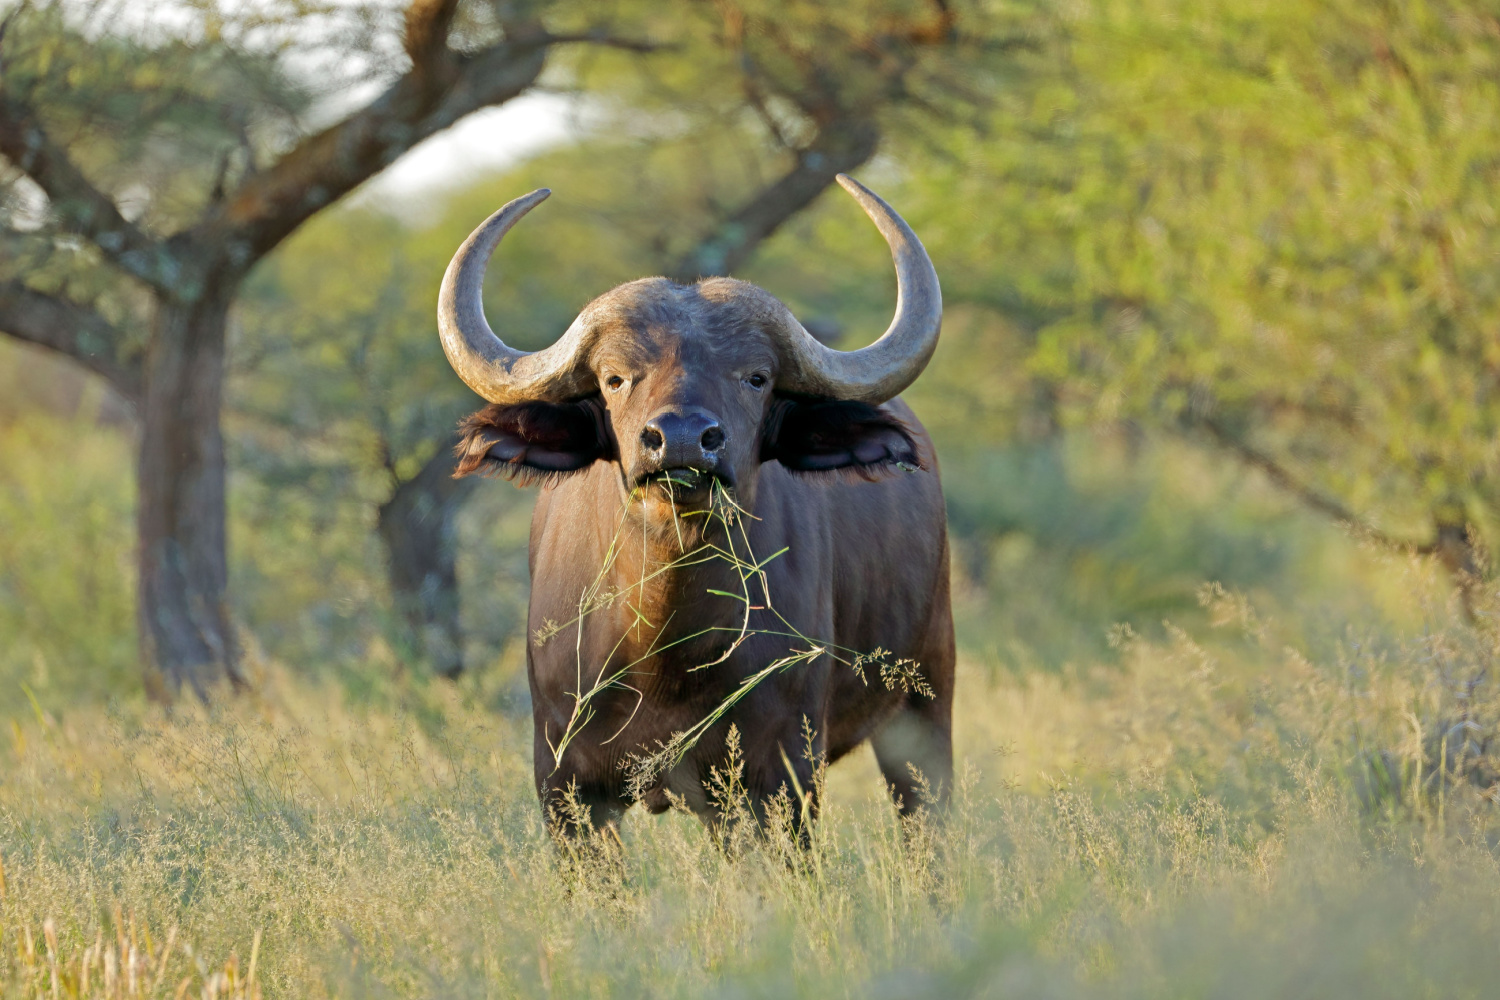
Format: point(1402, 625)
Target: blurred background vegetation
point(1222, 309)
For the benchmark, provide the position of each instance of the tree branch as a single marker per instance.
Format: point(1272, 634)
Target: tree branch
point(441, 87)
point(840, 147)
point(605, 39)
point(79, 206)
point(1310, 497)
point(427, 24)
point(70, 329)
point(847, 130)
point(433, 487)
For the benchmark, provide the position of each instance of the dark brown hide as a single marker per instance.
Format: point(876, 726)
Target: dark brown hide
point(850, 491)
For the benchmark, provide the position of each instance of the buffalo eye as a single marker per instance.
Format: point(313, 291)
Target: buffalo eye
point(614, 382)
point(757, 381)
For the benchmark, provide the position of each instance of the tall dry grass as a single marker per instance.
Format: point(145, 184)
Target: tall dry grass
point(1221, 814)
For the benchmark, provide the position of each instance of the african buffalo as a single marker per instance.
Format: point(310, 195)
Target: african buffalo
point(720, 494)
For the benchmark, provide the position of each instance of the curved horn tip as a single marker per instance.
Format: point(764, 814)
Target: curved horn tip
point(528, 201)
point(854, 187)
point(879, 372)
point(873, 205)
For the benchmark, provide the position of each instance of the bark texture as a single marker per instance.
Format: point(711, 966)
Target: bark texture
point(183, 611)
point(417, 528)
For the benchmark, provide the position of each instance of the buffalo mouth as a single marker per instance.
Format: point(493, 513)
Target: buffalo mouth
point(682, 485)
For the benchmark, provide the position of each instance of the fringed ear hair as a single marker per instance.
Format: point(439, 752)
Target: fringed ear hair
point(837, 435)
point(529, 442)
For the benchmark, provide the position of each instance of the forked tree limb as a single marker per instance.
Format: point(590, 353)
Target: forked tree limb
point(78, 205)
point(268, 206)
point(440, 87)
point(847, 134)
point(839, 148)
point(70, 329)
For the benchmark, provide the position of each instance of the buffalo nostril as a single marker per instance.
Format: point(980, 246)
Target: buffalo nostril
point(652, 439)
point(713, 439)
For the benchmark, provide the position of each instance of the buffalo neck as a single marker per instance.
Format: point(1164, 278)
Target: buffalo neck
point(658, 586)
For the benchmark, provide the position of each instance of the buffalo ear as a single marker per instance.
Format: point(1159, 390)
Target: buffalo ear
point(529, 441)
point(827, 435)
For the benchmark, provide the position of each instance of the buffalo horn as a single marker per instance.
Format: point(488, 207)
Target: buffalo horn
point(499, 373)
point(871, 374)
point(879, 372)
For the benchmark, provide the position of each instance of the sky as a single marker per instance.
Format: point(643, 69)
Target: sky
point(482, 143)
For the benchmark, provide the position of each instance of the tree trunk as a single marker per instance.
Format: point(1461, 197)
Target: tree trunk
point(1462, 554)
point(183, 616)
point(417, 528)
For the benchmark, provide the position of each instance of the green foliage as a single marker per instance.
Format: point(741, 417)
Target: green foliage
point(1041, 222)
point(1275, 221)
point(777, 71)
point(67, 624)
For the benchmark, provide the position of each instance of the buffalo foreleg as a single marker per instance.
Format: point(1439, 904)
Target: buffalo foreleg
point(915, 751)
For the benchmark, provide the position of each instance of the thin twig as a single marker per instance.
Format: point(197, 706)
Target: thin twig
point(1318, 501)
point(604, 38)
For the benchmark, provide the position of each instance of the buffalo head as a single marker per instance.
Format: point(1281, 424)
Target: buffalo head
point(684, 385)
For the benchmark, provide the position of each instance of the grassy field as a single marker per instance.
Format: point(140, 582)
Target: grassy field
point(1216, 818)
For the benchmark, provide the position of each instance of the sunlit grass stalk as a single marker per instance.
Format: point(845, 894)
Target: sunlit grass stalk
point(725, 511)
